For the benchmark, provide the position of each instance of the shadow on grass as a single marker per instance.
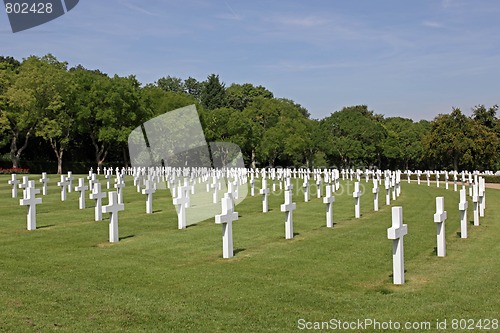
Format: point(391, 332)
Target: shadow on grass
point(236, 251)
point(46, 226)
point(157, 211)
point(125, 237)
point(191, 225)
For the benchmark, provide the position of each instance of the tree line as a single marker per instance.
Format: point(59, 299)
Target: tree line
point(49, 112)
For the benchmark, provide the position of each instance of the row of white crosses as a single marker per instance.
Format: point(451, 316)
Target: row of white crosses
point(398, 230)
point(149, 191)
point(30, 200)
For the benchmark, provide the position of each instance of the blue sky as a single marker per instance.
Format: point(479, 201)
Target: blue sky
point(413, 59)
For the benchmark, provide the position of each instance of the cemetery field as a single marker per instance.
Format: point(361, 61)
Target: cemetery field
point(66, 277)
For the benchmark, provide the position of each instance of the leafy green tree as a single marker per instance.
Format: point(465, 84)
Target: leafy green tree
point(353, 135)
point(240, 95)
point(57, 122)
point(10, 62)
point(108, 110)
point(217, 124)
point(8, 73)
point(34, 92)
point(170, 83)
point(403, 145)
point(213, 95)
point(272, 123)
point(193, 88)
point(485, 117)
point(158, 101)
point(450, 140)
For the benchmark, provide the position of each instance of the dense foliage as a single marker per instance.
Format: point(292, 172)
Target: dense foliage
point(49, 112)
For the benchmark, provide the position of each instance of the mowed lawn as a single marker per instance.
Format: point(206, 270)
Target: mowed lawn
point(66, 277)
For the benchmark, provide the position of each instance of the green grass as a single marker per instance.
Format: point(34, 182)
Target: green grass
point(65, 276)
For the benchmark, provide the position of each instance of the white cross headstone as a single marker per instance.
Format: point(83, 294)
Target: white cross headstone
point(120, 184)
point(482, 186)
point(25, 184)
point(44, 180)
point(470, 183)
point(446, 177)
point(226, 219)
point(481, 190)
point(149, 190)
point(393, 186)
point(306, 189)
point(189, 189)
point(92, 180)
point(397, 233)
point(288, 207)
point(31, 201)
point(215, 187)
point(70, 179)
point(180, 204)
point(437, 179)
point(329, 199)
point(439, 219)
point(264, 191)
point(63, 184)
point(387, 183)
point(357, 195)
point(455, 181)
point(113, 208)
point(375, 191)
point(97, 195)
point(81, 188)
point(475, 200)
point(14, 182)
point(252, 185)
point(318, 187)
point(462, 207)
point(398, 183)
point(107, 176)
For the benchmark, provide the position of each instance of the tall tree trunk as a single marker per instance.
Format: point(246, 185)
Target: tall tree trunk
point(253, 158)
point(125, 157)
point(15, 153)
point(59, 164)
point(59, 155)
point(100, 152)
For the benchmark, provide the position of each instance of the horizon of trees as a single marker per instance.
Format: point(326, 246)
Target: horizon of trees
point(52, 113)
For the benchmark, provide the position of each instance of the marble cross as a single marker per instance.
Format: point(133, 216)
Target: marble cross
point(397, 233)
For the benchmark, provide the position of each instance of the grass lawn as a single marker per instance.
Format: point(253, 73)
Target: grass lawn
point(66, 277)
